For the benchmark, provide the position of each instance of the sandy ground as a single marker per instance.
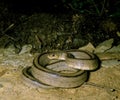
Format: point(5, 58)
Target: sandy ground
point(13, 87)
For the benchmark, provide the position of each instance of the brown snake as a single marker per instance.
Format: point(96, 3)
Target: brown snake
point(77, 59)
point(64, 69)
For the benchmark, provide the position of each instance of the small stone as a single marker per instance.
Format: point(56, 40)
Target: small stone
point(88, 47)
point(106, 45)
point(25, 49)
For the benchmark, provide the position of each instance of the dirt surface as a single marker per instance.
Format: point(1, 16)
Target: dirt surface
point(13, 86)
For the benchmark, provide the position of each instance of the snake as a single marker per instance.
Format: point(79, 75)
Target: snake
point(61, 69)
point(77, 59)
point(27, 76)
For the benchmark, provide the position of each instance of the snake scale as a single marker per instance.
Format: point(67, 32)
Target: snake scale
point(61, 69)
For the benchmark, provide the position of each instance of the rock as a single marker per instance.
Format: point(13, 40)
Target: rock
point(26, 49)
point(88, 47)
point(102, 47)
point(114, 49)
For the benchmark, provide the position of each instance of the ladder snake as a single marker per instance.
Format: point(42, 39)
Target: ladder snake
point(61, 69)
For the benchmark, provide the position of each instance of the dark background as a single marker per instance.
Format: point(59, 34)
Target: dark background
point(25, 6)
point(110, 7)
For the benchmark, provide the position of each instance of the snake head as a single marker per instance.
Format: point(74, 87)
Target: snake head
point(57, 55)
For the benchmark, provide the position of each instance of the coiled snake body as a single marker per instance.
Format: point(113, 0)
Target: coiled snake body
point(64, 69)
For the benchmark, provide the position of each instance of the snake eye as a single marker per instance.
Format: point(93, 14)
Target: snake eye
point(52, 56)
